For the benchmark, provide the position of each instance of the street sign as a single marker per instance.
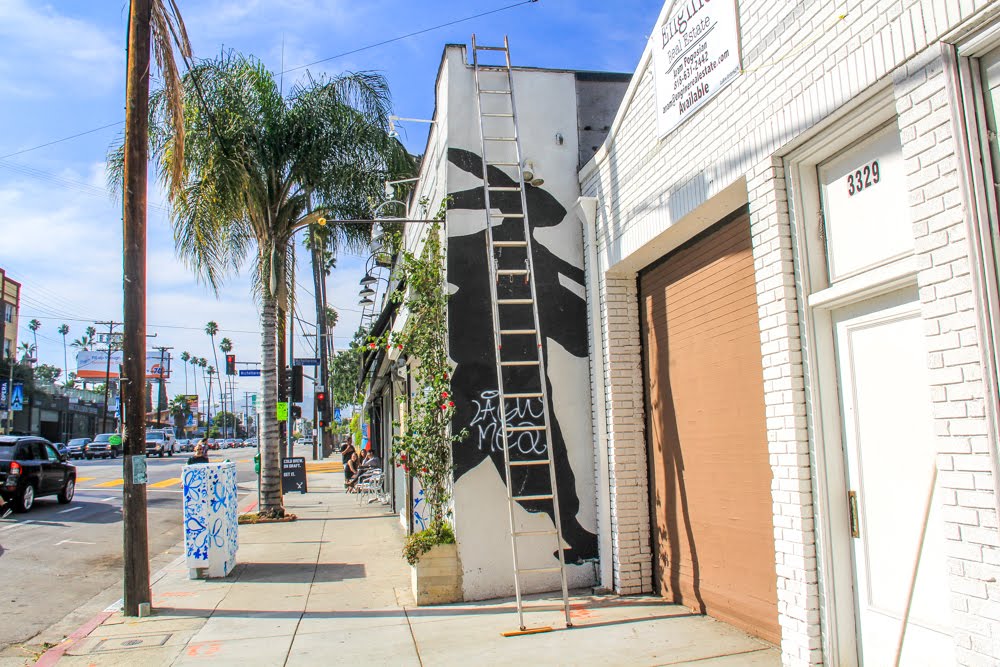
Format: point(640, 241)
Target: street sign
point(103, 338)
point(249, 372)
point(309, 361)
point(336, 415)
point(17, 397)
point(282, 411)
point(3, 395)
point(293, 474)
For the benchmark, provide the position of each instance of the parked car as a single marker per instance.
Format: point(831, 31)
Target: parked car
point(184, 445)
point(77, 447)
point(159, 444)
point(30, 468)
point(101, 447)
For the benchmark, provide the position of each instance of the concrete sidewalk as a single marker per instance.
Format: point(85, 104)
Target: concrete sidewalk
point(333, 588)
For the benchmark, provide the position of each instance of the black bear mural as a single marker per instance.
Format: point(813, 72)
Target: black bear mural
point(563, 320)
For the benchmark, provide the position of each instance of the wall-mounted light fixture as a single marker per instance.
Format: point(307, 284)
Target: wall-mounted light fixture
point(393, 134)
point(529, 171)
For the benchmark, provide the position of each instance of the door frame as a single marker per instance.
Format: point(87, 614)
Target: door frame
point(817, 300)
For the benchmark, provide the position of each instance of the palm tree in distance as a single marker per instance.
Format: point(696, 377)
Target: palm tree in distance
point(211, 329)
point(275, 165)
point(185, 357)
point(27, 352)
point(34, 325)
point(63, 330)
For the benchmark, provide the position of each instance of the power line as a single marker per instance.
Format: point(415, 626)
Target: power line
point(298, 67)
point(411, 34)
point(59, 141)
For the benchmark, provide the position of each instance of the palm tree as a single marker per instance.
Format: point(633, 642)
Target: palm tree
point(63, 330)
point(179, 411)
point(27, 352)
point(185, 357)
point(34, 326)
point(211, 329)
point(275, 165)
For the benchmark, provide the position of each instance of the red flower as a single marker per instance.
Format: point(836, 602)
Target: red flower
point(444, 407)
point(388, 347)
point(405, 469)
point(372, 345)
point(402, 456)
point(451, 404)
point(423, 470)
point(444, 394)
point(400, 346)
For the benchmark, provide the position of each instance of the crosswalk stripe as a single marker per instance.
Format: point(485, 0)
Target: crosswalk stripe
point(165, 483)
point(114, 482)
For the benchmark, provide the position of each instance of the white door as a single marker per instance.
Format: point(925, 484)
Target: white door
point(890, 452)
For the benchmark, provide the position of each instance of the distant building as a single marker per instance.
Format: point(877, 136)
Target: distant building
point(10, 303)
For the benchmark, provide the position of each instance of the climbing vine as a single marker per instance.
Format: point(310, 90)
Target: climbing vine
point(424, 446)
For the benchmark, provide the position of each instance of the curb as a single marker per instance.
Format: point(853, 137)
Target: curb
point(52, 656)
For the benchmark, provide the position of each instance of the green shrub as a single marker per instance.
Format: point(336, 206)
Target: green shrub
point(420, 543)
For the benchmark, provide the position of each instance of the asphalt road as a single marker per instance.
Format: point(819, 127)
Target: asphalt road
point(57, 557)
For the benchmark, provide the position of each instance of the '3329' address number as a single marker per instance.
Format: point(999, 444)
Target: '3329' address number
point(862, 178)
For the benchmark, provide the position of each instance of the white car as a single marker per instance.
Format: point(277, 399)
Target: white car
point(159, 443)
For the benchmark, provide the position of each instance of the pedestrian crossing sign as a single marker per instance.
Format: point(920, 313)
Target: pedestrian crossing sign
point(17, 398)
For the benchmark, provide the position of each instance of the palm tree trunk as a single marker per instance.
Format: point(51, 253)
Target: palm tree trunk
point(268, 434)
point(222, 398)
point(65, 362)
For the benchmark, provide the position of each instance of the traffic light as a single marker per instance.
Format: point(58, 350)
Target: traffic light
point(284, 382)
point(296, 411)
point(322, 423)
point(230, 364)
point(296, 384)
point(321, 400)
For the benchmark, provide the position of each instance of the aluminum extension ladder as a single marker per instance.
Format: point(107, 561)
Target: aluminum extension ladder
point(498, 129)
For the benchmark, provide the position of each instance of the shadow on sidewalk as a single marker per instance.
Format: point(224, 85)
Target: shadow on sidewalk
point(297, 573)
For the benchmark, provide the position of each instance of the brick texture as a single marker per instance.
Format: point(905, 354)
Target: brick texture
point(805, 62)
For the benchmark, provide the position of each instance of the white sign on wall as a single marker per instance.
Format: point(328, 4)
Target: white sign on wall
point(696, 52)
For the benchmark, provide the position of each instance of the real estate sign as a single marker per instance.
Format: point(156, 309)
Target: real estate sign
point(696, 52)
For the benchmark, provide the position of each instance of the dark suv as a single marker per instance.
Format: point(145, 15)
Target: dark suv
point(31, 467)
point(77, 448)
point(102, 447)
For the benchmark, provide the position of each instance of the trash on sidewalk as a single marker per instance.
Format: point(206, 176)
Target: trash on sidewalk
point(211, 535)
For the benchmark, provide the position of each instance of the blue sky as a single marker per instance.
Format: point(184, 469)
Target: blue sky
point(62, 69)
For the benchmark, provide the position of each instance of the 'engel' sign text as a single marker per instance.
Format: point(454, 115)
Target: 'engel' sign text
point(696, 52)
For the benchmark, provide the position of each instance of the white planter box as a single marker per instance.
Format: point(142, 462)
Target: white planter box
point(437, 576)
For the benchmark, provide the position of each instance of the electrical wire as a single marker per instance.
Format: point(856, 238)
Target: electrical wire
point(408, 35)
point(298, 67)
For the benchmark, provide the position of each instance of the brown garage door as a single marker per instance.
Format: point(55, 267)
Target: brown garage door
point(710, 477)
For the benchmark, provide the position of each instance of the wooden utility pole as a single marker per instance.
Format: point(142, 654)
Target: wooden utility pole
point(161, 398)
point(136, 538)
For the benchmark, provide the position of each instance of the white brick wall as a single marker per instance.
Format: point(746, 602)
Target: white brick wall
point(954, 356)
point(804, 64)
point(785, 406)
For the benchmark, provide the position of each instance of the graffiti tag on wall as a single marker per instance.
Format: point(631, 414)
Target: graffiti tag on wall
point(520, 412)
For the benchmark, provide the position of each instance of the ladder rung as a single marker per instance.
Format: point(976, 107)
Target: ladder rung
point(539, 496)
point(518, 332)
point(497, 115)
point(523, 533)
point(502, 164)
point(510, 244)
point(544, 607)
point(489, 91)
point(499, 138)
point(492, 68)
point(555, 568)
point(518, 363)
point(536, 462)
point(491, 48)
point(506, 215)
point(514, 302)
point(524, 394)
point(512, 429)
point(512, 272)
point(504, 188)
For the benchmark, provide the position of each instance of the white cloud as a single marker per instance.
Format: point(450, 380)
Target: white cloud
point(45, 54)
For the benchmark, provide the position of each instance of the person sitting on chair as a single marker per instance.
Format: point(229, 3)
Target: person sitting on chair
point(200, 455)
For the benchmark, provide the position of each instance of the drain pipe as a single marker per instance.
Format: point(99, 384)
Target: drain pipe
point(586, 209)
